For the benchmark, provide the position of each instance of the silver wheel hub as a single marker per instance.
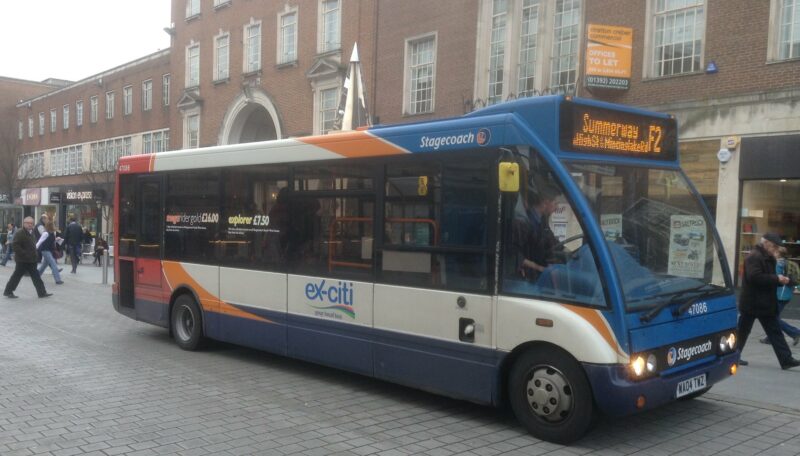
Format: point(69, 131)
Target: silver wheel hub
point(549, 394)
point(186, 322)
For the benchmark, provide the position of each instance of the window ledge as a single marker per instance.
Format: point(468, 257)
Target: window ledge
point(250, 74)
point(779, 61)
point(672, 76)
point(222, 5)
point(287, 64)
point(192, 17)
point(217, 82)
point(418, 114)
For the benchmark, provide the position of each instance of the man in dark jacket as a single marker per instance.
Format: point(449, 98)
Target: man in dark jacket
point(759, 298)
point(26, 258)
point(74, 236)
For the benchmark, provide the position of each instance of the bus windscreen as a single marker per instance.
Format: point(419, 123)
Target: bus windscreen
point(596, 130)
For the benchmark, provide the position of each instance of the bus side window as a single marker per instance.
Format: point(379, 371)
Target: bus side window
point(436, 223)
point(192, 216)
point(545, 252)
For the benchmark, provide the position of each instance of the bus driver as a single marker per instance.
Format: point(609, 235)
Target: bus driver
point(535, 240)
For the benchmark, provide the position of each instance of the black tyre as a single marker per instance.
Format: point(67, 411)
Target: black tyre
point(187, 323)
point(550, 395)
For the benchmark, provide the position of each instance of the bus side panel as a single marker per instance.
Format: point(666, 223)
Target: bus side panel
point(581, 331)
point(253, 309)
point(203, 281)
point(329, 322)
point(149, 299)
point(448, 368)
point(424, 341)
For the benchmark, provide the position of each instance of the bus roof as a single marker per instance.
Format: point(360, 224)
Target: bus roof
point(522, 121)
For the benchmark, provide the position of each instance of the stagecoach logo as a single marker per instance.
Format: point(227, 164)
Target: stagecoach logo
point(435, 142)
point(686, 354)
point(336, 298)
point(484, 135)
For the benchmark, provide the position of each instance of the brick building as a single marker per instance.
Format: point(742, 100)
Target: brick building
point(243, 71)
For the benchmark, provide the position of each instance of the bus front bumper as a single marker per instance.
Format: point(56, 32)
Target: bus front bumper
point(617, 395)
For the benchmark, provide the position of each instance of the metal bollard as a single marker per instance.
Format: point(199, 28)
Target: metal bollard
point(105, 266)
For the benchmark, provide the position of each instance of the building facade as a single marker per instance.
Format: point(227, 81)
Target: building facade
point(241, 71)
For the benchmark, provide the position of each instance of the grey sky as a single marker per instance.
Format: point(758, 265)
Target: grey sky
point(74, 39)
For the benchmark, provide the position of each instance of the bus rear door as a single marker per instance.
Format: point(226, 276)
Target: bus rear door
point(150, 304)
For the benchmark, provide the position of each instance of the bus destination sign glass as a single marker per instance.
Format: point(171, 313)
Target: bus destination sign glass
point(595, 130)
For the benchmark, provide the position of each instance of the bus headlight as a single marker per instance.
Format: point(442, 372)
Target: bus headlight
point(638, 366)
point(727, 342)
point(651, 363)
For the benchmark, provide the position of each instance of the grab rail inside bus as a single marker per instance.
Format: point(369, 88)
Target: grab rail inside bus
point(339, 220)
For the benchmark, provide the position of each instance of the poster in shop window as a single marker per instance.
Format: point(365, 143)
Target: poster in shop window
point(687, 246)
point(611, 224)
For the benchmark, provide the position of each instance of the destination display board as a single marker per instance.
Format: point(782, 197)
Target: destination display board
point(596, 130)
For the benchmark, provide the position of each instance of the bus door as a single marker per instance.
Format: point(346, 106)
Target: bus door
point(148, 276)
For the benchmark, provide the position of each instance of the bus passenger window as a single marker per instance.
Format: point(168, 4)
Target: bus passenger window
point(127, 215)
point(545, 252)
point(436, 223)
point(192, 216)
point(331, 218)
point(255, 215)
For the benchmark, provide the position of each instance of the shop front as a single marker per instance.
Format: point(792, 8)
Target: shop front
point(769, 172)
point(36, 202)
point(9, 213)
point(86, 204)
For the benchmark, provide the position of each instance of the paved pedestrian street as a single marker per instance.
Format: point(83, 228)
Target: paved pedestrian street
point(77, 378)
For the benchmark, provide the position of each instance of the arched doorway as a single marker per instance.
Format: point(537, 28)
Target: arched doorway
point(250, 117)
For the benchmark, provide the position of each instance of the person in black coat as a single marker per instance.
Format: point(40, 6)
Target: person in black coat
point(73, 237)
point(26, 259)
point(759, 299)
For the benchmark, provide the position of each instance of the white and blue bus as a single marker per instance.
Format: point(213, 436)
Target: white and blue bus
point(548, 252)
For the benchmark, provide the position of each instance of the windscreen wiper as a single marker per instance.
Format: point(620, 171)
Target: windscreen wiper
point(653, 313)
point(680, 310)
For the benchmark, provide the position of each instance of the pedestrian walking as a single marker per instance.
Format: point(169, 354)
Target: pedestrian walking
point(73, 237)
point(788, 268)
point(25, 251)
point(47, 247)
point(10, 230)
point(759, 298)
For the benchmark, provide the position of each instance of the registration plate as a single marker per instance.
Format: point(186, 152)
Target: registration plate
point(690, 385)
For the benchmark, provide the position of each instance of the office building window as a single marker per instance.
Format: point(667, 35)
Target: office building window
point(30, 126)
point(165, 80)
point(789, 29)
point(109, 105)
point(127, 100)
point(41, 123)
point(421, 61)
point(221, 57)
point(192, 129)
point(252, 47)
point(678, 30)
point(329, 25)
point(53, 120)
point(287, 37)
point(93, 109)
point(79, 113)
point(192, 8)
point(328, 103)
point(528, 47)
point(20, 130)
point(155, 142)
point(65, 117)
point(147, 95)
point(193, 66)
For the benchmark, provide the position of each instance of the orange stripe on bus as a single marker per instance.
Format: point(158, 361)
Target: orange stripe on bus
point(594, 318)
point(354, 144)
point(177, 275)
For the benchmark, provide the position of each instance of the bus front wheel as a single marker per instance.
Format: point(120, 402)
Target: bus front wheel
point(187, 323)
point(550, 395)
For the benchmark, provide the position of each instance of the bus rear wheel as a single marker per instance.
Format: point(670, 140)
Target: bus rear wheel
point(187, 323)
point(550, 395)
